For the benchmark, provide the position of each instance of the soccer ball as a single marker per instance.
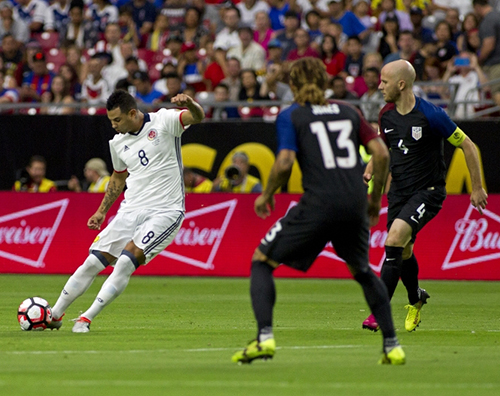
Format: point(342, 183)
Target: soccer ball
point(34, 313)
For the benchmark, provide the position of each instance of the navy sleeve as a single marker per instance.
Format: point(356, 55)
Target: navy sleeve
point(285, 131)
point(439, 121)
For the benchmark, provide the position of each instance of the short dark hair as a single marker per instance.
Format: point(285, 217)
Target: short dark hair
point(372, 70)
point(37, 158)
point(121, 99)
point(173, 75)
point(355, 38)
point(480, 2)
point(223, 86)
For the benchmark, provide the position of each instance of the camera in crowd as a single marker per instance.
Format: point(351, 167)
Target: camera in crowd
point(231, 176)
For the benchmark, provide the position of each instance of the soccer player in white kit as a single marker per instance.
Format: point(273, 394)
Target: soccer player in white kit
point(146, 155)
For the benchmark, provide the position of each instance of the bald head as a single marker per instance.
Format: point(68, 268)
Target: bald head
point(401, 70)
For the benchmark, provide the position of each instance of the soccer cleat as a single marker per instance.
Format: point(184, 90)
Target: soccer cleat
point(370, 323)
point(413, 316)
point(82, 325)
point(395, 356)
point(56, 323)
point(256, 350)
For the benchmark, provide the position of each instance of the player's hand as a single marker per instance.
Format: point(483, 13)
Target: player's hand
point(373, 212)
point(479, 199)
point(367, 177)
point(263, 206)
point(181, 100)
point(96, 220)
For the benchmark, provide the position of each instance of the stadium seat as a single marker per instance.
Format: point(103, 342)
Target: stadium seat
point(55, 58)
point(47, 40)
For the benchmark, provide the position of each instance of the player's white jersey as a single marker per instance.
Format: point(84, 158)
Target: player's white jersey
point(152, 156)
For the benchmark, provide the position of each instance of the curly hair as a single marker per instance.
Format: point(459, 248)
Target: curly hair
point(308, 80)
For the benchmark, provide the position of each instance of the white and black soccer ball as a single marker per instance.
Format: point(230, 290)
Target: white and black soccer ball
point(34, 313)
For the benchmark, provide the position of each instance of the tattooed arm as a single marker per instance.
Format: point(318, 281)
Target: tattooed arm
point(115, 188)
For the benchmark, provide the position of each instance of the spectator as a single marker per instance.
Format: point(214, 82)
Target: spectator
point(60, 12)
point(273, 85)
point(312, 19)
point(161, 84)
point(11, 24)
point(157, 39)
point(278, 13)
point(193, 29)
point(465, 71)
point(7, 95)
point(340, 91)
point(175, 11)
point(416, 17)
point(250, 90)
point(77, 31)
point(446, 49)
point(132, 66)
point(489, 34)
point(333, 59)
point(128, 28)
point(263, 32)
point(190, 67)
point(196, 183)
point(216, 68)
point(389, 8)
point(35, 14)
point(275, 51)
point(233, 80)
point(287, 35)
point(418, 59)
point(302, 46)
point(32, 178)
point(144, 91)
point(453, 19)
point(57, 96)
point(390, 35)
point(249, 9)
point(372, 100)
point(470, 22)
point(144, 14)
point(433, 73)
point(96, 177)
point(70, 75)
point(12, 59)
point(406, 48)
point(210, 16)
point(354, 60)
point(112, 44)
point(174, 86)
point(101, 13)
point(38, 81)
point(95, 88)
point(236, 178)
point(221, 95)
point(74, 59)
point(373, 59)
point(351, 25)
point(250, 54)
point(228, 37)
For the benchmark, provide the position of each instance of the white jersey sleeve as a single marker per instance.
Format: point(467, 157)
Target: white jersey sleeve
point(118, 164)
point(172, 121)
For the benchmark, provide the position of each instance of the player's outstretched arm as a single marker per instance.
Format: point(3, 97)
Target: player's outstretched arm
point(280, 173)
point(115, 187)
point(478, 197)
point(195, 113)
point(380, 168)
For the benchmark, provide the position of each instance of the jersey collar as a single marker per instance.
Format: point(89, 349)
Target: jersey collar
point(147, 118)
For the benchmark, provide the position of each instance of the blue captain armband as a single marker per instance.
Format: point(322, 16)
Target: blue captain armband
point(457, 137)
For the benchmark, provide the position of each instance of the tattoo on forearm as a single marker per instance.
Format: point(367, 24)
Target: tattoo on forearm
point(112, 193)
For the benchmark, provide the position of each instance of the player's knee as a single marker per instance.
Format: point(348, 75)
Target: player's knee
point(137, 252)
point(363, 275)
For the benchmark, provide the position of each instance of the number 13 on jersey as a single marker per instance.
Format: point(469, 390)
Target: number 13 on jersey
point(343, 141)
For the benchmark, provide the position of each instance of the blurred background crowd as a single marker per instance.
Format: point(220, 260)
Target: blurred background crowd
point(64, 52)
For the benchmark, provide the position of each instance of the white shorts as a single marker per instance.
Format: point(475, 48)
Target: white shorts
point(151, 231)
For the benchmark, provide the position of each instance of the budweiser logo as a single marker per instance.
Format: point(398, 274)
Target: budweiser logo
point(30, 227)
point(204, 229)
point(475, 240)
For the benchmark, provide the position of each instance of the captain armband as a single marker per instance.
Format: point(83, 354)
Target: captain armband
point(457, 137)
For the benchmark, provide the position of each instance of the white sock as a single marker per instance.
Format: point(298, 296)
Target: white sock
point(113, 287)
point(77, 284)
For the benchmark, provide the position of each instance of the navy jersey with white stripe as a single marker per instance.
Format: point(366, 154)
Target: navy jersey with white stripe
point(416, 141)
point(326, 140)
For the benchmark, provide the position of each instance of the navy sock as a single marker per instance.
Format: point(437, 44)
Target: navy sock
point(409, 277)
point(391, 270)
point(263, 294)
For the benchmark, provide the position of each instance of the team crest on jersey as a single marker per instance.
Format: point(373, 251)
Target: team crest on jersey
point(416, 132)
point(152, 134)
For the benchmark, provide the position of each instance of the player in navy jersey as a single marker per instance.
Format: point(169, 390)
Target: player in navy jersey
point(146, 155)
point(415, 130)
point(324, 138)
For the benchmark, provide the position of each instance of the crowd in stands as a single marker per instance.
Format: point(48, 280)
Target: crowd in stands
point(61, 52)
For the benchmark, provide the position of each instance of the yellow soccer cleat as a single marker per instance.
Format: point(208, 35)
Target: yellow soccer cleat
point(395, 356)
point(256, 350)
point(413, 317)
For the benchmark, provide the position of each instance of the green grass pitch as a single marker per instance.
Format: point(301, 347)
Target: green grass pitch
point(175, 336)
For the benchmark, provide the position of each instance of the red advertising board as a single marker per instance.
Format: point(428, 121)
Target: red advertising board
point(47, 234)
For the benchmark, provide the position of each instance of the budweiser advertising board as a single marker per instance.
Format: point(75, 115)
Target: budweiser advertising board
point(47, 234)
